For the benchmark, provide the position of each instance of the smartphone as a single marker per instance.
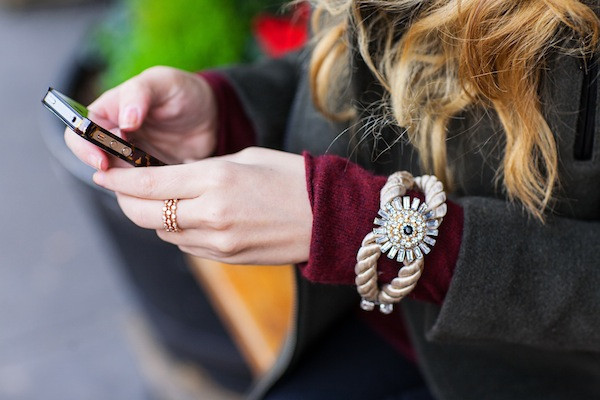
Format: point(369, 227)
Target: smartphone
point(75, 116)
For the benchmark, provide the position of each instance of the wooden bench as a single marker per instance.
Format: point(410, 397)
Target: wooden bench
point(255, 304)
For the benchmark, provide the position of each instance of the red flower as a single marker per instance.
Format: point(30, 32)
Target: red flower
point(277, 35)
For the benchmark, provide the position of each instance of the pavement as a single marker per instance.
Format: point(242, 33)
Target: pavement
point(69, 329)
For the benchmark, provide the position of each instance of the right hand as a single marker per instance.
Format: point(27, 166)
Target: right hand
point(170, 113)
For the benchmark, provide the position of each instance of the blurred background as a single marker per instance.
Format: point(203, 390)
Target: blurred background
point(90, 306)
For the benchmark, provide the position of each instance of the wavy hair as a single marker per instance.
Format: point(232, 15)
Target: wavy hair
point(436, 58)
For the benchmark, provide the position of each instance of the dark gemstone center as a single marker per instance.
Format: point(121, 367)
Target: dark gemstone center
point(408, 230)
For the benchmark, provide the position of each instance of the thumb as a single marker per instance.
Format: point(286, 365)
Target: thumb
point(135, 97)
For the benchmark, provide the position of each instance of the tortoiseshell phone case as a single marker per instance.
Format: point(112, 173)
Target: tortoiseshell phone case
point(74, 115)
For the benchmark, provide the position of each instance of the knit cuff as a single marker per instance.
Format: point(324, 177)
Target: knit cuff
point(234, 129)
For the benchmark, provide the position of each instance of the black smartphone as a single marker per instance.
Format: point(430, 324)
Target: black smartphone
point(75, 116)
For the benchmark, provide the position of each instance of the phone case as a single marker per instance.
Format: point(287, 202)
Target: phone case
point(74, 115)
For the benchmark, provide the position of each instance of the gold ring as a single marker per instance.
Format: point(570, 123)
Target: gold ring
point(169, 215)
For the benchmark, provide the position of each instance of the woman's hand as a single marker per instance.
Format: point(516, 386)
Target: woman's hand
point(172, 112)
point(251, 207)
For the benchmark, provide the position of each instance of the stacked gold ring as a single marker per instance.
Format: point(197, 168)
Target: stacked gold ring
point(170, 215)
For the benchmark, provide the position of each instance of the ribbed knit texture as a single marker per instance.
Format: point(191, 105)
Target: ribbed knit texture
point(345, 200)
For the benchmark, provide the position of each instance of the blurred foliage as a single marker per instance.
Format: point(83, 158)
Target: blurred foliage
point(187, 34)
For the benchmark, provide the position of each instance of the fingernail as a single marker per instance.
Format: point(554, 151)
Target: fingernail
point(99, 178)
point(98, 163)
point(131, 115)
point(102, 164)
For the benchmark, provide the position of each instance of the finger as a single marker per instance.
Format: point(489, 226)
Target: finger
point(135, 98)
point(151, 88)
point(206, 253)
point(106, 107)
point(198, 252)
point(210, 254)
point(186, 237)
point(126, 105)
point(85, 151)
point(218, 243)
point(155, 183)
point(91, 154)
point(149, 213)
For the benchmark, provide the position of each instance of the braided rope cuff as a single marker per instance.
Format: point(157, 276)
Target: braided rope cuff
point(405, 231)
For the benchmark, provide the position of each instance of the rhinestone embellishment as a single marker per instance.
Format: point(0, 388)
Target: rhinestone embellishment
point(403, 229)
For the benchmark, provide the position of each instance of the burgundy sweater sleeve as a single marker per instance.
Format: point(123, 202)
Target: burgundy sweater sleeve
point(345, 200)
point(235, 131)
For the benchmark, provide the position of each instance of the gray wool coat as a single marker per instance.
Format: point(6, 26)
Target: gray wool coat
point(521, 319)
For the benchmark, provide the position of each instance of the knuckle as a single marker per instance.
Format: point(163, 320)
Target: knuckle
point(155, 70)
point(224, 174)
point(142, 84)
point(147, 184)
point(250, 154)
point(217, 216)
point(248, 151)
point(227, 245)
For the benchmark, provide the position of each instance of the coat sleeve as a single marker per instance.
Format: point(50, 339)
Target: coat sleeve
point(515, 280)
point(266, 90)
point(520, 281)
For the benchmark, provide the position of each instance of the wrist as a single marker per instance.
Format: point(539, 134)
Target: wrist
point(233, 130)
point(345, 199)
point(209, 127)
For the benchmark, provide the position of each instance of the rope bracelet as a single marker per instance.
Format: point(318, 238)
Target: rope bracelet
point(405, 230)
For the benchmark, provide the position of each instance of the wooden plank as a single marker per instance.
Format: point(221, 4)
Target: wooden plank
point(255, 303)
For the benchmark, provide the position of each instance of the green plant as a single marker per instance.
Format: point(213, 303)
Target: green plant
point(187, 34)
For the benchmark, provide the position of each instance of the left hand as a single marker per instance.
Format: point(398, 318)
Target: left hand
point(251, 207)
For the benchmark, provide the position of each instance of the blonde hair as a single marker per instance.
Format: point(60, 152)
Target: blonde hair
point(436, 58)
